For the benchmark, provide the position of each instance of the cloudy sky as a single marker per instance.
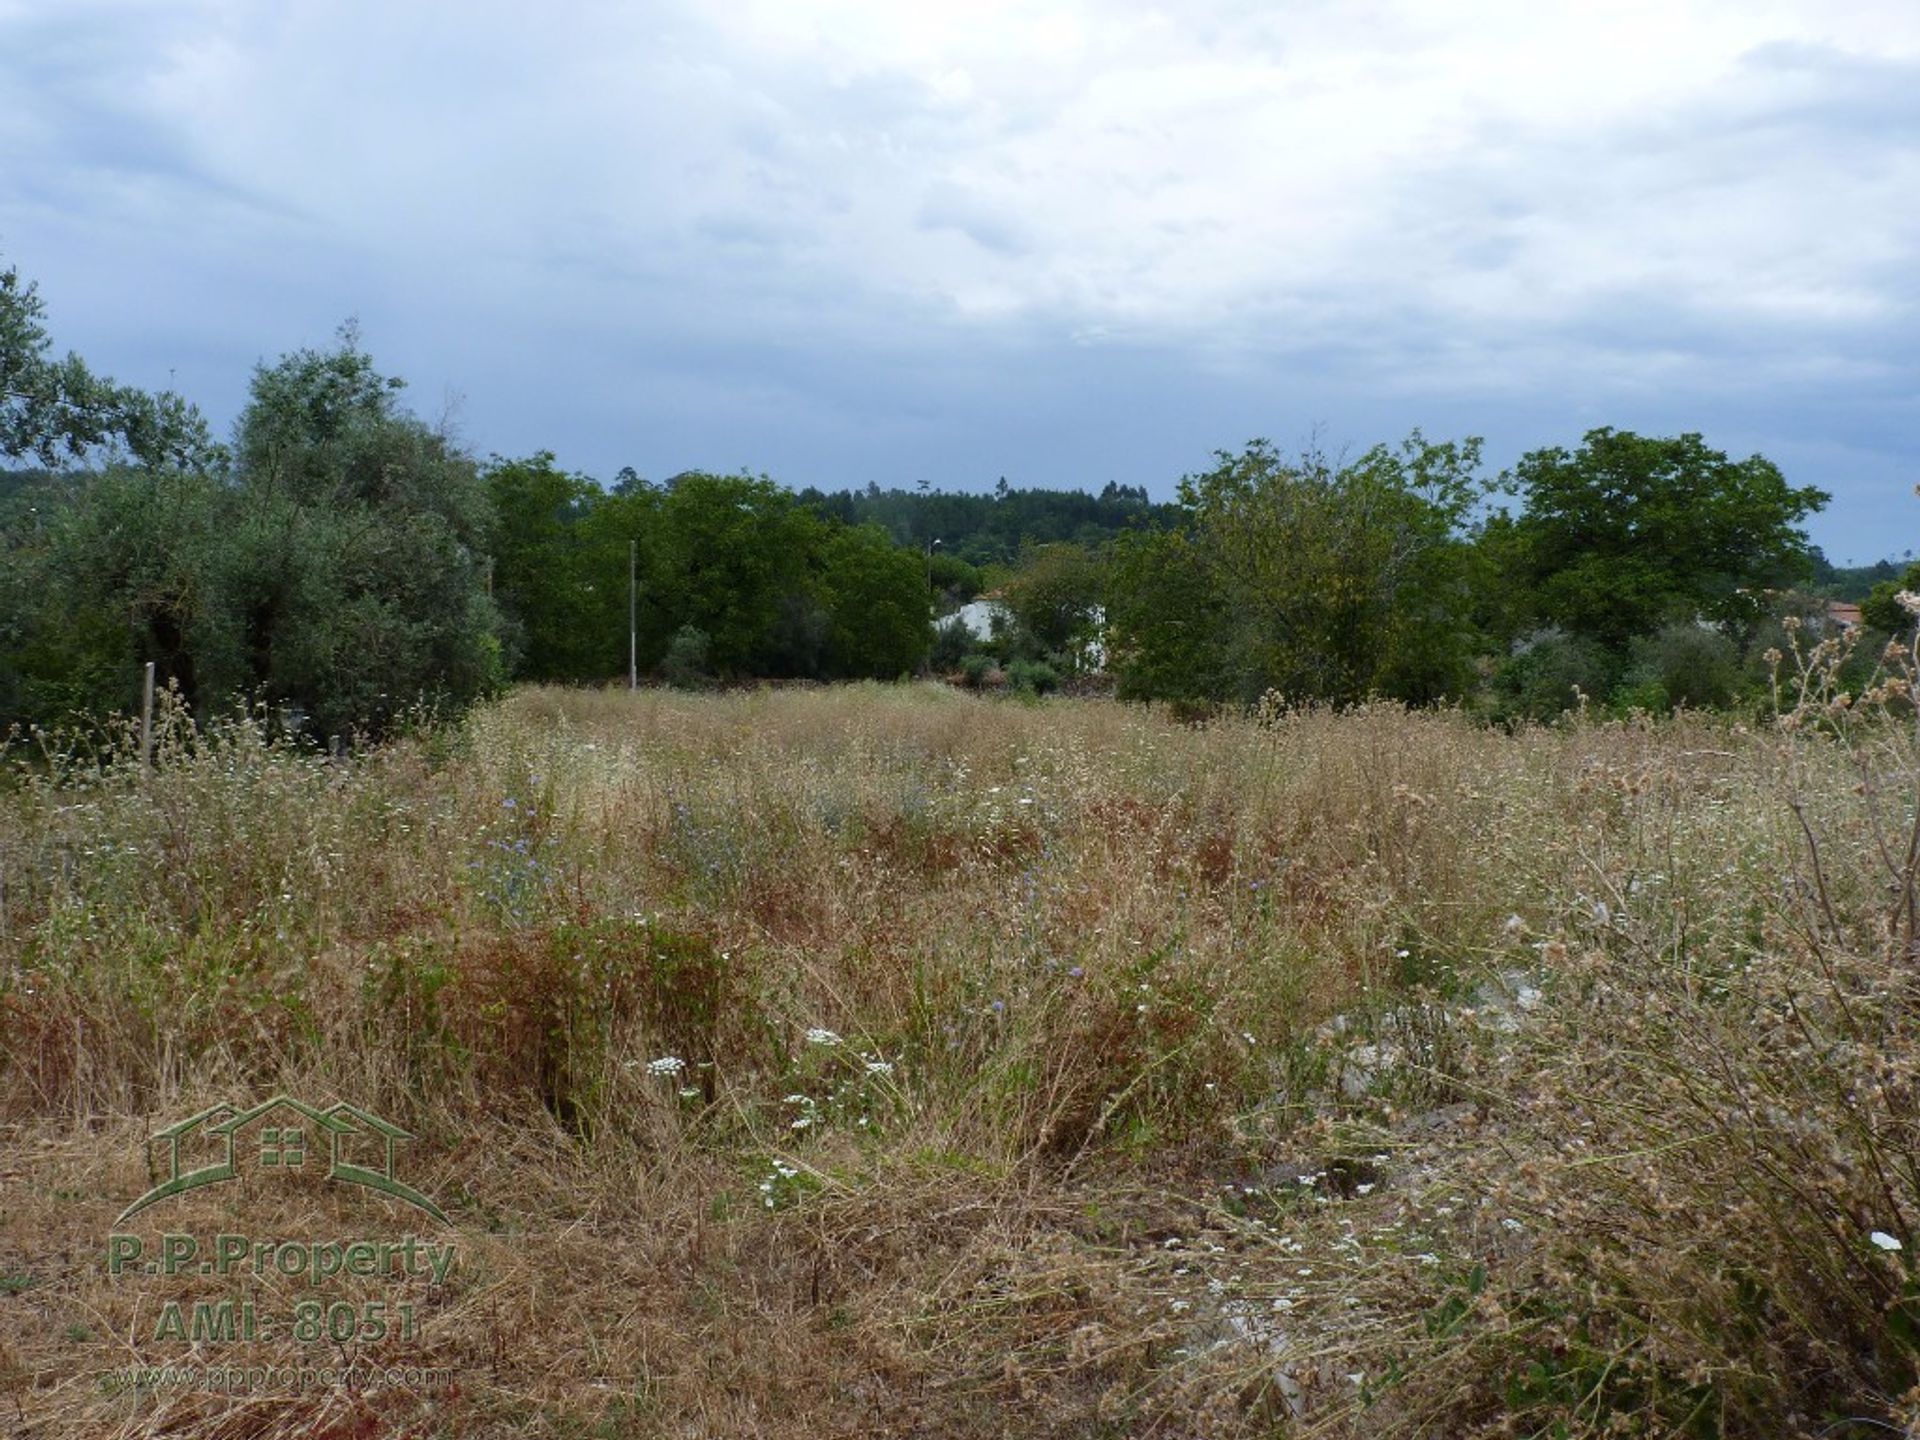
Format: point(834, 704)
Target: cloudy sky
point(953, 240)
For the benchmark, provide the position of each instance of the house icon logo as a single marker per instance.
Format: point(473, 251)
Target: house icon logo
point(281, 1134)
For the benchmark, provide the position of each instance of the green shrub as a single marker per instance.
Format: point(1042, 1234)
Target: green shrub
point(1546, 677)
point(952, 641)
point(1033, 677)
point(686, 662)
point(1686, 665)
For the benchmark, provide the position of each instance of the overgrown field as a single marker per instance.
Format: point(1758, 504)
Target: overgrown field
point(890, 1061)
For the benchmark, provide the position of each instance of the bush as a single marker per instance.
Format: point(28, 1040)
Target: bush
point(1685, 665)
point(1033, 677)
point(1546, 677)
point(952, 640)
point(686, 665)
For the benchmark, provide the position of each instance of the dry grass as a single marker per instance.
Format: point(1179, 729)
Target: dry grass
point(1045, 1069)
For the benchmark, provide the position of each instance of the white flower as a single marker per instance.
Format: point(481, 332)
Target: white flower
point(1907, 601)
point(1885, 1241)
point(666, 1065)
point(879, 1067)
point(823, 1037)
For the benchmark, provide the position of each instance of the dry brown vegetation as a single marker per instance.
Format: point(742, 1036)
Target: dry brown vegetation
point(1043, 1069)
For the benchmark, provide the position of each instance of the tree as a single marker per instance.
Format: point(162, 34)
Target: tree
point(100, 569)
point(1168, 620)
point(1882, 608)
point(1319, 580)
point(562, 615)
point(732, 555)
point(354, 583)
point(1055, 596)
point(1630, 533)
point(876, 594)
point(59, 410)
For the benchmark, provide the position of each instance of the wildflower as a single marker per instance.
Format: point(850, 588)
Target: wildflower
point(1075, 973)
point(666, 1065)
point(1884, 1240)
point(1907, 601)
point(818, 1036)
point(879, 1067)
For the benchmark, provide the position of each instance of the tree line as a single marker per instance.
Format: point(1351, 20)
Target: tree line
point(344, 562)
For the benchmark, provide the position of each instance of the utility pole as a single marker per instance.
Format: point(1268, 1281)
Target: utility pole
point(633, 615)
point(146, 720)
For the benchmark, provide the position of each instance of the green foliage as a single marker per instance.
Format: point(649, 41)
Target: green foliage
point(59, 410)
point(1688, 665)
point(102, 574)
point(1316, 580)
point(1167, 620)
point(551, 587)
point(876, 595)
point(1883, 611)
point(336, 570)
point(952, 644)
point(1055, 597)
point(687, 662)
point(1032, 677)
point(775, 589)
point(731, 550)
point(1549, 675)
point(1629, 533)
point(976, 668)
point(992, 528)
point(954, 581)
point(353, 580)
